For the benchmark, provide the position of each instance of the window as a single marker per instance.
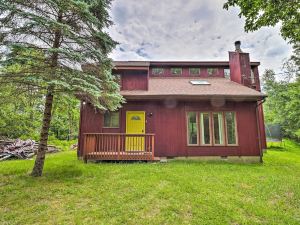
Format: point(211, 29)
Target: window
point(205, 129)
point(194, 71)
point(135, 118)
point(212, 129)
point(111, 119)
point(211, 71)
point(252, 77)
point(227, 73)
point(218, 128)
point(157, 71)
point(192, 128)
point(176, 71)
point(231, 128)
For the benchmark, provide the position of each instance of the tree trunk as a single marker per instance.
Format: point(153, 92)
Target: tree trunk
point(40, 158)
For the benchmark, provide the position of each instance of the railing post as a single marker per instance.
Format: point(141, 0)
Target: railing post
point(119, 146)
point(152, 140)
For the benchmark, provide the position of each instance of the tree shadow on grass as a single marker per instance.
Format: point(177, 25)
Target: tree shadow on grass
point(62, 172)
point(276, 148)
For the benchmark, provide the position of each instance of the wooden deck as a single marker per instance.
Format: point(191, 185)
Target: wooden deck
point(118, 146)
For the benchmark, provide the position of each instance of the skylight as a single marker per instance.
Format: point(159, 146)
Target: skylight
point(199, 82)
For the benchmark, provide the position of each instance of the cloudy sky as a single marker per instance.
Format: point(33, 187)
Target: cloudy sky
point(189, 30)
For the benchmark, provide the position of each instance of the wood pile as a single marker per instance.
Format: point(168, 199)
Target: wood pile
point(19, 149)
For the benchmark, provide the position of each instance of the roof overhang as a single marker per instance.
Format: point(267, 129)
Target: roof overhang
point(131, 68)
point(147, 64)
point(238, 98)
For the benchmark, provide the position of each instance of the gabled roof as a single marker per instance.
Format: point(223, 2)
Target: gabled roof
point(181, 88)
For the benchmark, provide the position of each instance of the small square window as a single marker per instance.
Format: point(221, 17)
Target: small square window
point(157, 71)
point(211, 71)
point(194, 71)
point(111, 119)
point(176, 71)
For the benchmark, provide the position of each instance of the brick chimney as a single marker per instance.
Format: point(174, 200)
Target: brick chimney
point(239, 64)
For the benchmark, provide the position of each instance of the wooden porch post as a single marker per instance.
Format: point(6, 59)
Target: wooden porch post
point(84, 148)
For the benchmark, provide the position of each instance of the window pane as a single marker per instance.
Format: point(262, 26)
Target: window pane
point(192, 128)
point(205, 128)
point(115, 119)
point(111, 119)
point(176, 71)
point(227, 73)
point(194, 71)
point(211, 71)
point(230, 127)
point(252, 77)
point(157, 71)
point(218, 128)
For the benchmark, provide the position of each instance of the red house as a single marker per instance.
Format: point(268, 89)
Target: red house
point(179, 109)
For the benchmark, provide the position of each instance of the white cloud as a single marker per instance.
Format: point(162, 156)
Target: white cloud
point(189, 30)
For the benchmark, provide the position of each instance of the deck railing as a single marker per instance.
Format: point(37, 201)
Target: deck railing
point(118, 146)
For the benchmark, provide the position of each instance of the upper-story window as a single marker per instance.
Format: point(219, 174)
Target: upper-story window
point(194, 71)
point(157, 71)
point(252, 77)
point(227, 73)
point(211, 71)
point(176, 71)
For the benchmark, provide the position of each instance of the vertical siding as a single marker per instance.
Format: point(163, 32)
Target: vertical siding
point(235, 67)
point(168, 122)
point(134, 80)
point(90, 122)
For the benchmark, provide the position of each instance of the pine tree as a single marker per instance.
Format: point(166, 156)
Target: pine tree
point(44, 44)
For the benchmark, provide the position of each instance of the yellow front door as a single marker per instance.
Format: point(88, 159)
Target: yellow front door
point(135, 124)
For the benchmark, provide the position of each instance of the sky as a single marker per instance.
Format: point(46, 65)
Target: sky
point(190, 30)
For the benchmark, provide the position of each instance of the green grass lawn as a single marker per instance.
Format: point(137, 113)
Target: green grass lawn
point(177, 192)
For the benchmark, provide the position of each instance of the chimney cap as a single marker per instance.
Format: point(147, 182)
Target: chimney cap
point(237, 45)
point(237, 42)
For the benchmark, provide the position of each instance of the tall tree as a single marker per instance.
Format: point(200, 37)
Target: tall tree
point(45, 42)
point(260, 13)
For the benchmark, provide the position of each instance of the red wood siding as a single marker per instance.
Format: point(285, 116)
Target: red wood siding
point(134, 80)
point(239, 67)
point(168, 123)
